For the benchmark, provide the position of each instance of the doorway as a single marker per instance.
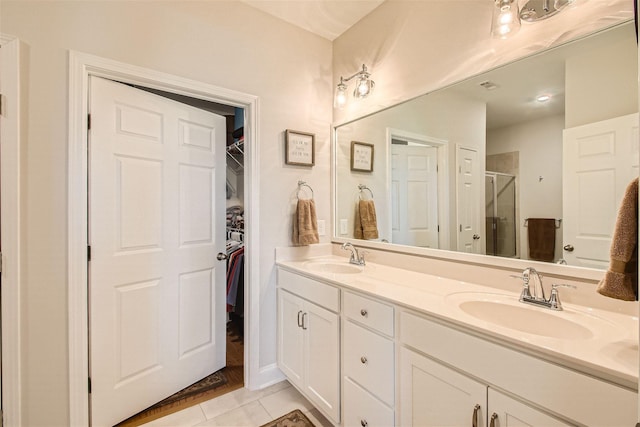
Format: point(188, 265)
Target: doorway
point(13, 91)
point(81, 67)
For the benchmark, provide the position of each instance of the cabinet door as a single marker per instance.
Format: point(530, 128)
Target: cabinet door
point(290, 336)
point(507, 412)
point(434, 395)
point(322, 358)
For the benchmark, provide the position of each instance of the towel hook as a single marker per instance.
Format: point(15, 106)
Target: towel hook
point(303, 184)
point(363, 187)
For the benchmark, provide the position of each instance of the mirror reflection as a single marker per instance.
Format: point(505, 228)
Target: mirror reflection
point(529, 160)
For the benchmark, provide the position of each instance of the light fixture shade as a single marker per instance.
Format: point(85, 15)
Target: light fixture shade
point(340, 97)
point(364, 86)
point(506, 18)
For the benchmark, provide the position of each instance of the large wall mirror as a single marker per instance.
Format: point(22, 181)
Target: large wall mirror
point(527, 161)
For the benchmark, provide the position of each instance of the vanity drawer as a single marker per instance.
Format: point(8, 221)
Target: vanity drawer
point(362, 409)
point(319, 293)
point(374, 314)
point(369, 360)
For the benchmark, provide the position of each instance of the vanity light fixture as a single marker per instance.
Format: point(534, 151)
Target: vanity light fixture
point(536, 10)
point(364, 87)
point(506, 16)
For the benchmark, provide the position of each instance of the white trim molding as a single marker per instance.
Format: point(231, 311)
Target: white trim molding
point(81, 66)
point(10, 212)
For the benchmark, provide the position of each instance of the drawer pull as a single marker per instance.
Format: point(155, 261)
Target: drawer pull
point(304, 325)
point(474, 420)
point(364, 313)
point(299, 320)
point(363, 360)
point(364, 423)
point(494, 417)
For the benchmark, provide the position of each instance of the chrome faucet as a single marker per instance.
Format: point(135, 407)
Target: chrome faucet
point(356, 258)
point(538, 298)
point(538, 290)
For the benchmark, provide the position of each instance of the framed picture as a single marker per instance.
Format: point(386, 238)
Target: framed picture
point(361, 156)
point(299, 148)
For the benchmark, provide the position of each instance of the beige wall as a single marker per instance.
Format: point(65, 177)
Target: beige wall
point(222, 43)
point(596, 91)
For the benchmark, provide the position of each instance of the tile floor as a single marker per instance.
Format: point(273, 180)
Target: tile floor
point(244, 408)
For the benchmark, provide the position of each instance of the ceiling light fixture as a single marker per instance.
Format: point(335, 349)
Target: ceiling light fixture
point(506, 16)
point(364, 87)
point(543, 98)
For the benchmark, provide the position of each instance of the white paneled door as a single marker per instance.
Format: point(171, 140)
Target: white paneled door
point(414, 195)
point(599, 161)
point(156, 224)
point(469, 211)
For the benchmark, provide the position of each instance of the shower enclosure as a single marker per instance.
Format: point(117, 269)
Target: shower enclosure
point(501, 227)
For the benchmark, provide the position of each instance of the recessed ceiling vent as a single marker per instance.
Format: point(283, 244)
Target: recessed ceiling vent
point(489, 85)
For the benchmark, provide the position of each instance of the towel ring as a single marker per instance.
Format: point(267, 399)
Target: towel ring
point(303, 184)
point(362, 187)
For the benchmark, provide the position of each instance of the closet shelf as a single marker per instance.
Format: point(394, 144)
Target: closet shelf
point(235, 155)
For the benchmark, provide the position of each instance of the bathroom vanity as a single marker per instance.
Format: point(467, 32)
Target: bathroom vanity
point(376, 345)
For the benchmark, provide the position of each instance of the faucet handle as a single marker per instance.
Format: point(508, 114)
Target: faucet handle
point(554, 298)
point(525, 294)
point(555, 286)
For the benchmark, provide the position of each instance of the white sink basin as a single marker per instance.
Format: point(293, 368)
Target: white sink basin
point(333, 267)
point(506, 311)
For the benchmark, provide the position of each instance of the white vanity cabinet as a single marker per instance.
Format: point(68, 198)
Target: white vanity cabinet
point(434, 395)
point(309, 339)
point(368, 361)
point(460, 370)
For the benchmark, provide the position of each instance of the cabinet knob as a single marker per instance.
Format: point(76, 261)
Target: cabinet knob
point(363, 360)
point(364, 312)
point(364, 423)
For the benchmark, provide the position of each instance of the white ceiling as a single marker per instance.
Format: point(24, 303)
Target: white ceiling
point(327, 18)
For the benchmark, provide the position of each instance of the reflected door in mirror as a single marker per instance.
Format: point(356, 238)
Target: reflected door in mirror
point(414, 195)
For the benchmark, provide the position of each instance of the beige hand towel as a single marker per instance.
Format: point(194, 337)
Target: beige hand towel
point(305, 224)
point(621, 279)
point(366, 223)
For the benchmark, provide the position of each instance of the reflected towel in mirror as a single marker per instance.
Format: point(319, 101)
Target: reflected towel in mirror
point(542, 238)
point(366, 224)
point(620, 281)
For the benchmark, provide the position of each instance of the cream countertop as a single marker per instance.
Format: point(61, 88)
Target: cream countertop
point(610, 352)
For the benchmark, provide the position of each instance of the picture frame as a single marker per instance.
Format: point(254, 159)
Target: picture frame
point(361, 156)
point(299, 148)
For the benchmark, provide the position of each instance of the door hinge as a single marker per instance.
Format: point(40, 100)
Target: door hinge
point(438, 228)
point(1, 104)
point(88, 253)
point(0, 262)
point(89, 121)
point(461, 228)
point(89, 384)
point(1, 418)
